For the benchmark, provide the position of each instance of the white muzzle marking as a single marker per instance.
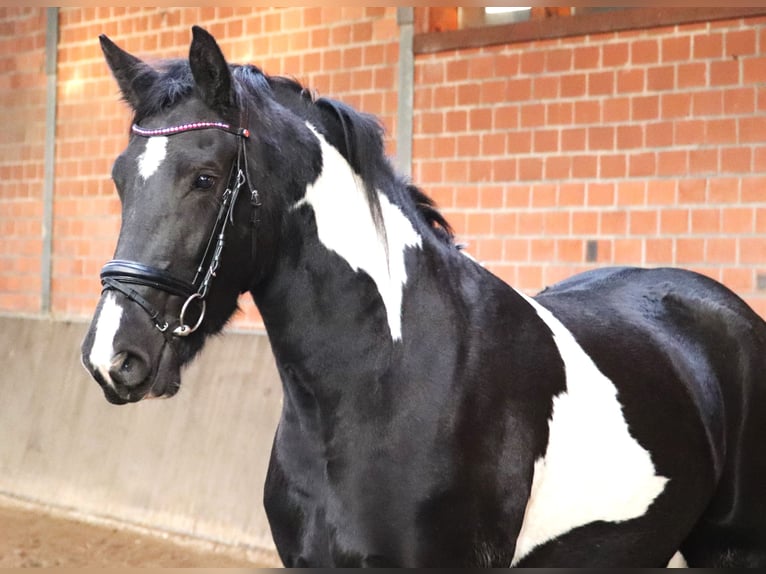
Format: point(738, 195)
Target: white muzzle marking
point(102, 351)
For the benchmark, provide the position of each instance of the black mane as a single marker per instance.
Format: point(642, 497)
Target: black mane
point(358, 136)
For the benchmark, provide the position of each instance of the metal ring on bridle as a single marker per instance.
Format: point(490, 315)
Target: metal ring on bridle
point(183, 329)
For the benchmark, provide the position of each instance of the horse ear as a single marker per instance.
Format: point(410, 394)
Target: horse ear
point(133, 76)
point(210, 70)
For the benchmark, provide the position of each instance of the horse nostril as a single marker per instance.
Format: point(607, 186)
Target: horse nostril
point(128, 369)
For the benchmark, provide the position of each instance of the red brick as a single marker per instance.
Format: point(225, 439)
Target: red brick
point(630, 136)
point(754, 70)
point(740, 43)
point(708, 46)
point(672, 162)
point(739, 101)
point(675, 105)
point(532, 62)
point(738, 220)
point(506, 117)
point(736, 160)
point(584, 166)
point(705, 221)
point(630, 80)
point(615, 54)
point(721, 131)
point(616, 109)
point(601, 194)
point(689, 250)
point(660, 78)
point(587, 112)
point(601, 138)
point(724, 73)
point(661, 192)
point(559, 113)
point(545, 141)
point(720, 250)
point(613, 166)
point(505, 169)
point(676, 48)
point(558, 60)
point(530, 168)
point(659, 134)
point(643, 222)
point(519, 142)
point(570, 250)
point(645, 108)
point(628, 251)
point(691, 75)
point(753, 189)
point(752, 250)
point(585, 223)
point(642, 164)
point(545, 87)
point(613, 222)
point(571, 194)
point(572, 85)
point(704, 160)
point(644, 51)
point(674, 221)
point(544, 196)
point(726, 189)
point(659, 250)
point(601, 83)
point(631, 193)
point(691, 190)
point(751, 129)
point(586, 57)
point(532, 115)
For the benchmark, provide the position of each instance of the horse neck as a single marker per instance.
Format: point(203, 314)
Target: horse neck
point(335, 301)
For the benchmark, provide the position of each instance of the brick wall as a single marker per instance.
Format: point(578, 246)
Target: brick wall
point(644, 147)
point(636, 148)
point(22, 104)
point(350, 53)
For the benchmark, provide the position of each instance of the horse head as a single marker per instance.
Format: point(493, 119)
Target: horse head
point(190, 180)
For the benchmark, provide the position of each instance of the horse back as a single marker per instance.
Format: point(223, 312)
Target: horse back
point(688, 358)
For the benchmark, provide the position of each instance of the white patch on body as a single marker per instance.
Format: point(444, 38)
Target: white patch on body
point(678, 561)
point(345, 226)
point(153, 156)
point(593, 469)
point(108, 323)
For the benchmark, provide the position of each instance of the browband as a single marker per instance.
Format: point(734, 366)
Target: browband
point(172, 130)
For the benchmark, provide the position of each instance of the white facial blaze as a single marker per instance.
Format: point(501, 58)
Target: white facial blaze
point(153, 156)
point(345, 226)
point(108, 323)
point(593, 469)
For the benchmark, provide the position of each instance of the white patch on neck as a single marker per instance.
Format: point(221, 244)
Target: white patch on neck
point(108, 323)
point(593, 469)
point(345, 226)
point(153, 156)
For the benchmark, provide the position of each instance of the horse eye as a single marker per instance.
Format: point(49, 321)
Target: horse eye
point(204, 181)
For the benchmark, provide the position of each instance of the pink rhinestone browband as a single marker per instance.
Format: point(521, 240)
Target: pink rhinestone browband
point(169, 131)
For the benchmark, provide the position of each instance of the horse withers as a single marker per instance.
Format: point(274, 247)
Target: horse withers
point(432, 414)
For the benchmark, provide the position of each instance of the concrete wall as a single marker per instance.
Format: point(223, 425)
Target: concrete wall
point(194, 464)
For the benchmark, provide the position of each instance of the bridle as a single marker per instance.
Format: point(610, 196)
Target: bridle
point(119, 274)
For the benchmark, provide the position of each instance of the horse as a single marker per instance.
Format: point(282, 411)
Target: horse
point(432, 415)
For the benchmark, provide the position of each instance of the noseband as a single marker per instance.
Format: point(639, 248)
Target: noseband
point(119, 275)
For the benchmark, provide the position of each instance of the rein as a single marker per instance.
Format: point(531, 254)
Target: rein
point(119, 275)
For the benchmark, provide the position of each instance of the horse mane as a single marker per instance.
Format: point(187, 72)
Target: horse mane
point(360, 136)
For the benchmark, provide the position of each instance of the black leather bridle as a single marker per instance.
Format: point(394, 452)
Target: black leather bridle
point(119, 275)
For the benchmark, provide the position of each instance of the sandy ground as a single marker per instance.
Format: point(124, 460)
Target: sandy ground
point(35, 537)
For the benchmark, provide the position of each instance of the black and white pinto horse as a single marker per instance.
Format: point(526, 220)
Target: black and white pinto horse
point(432, 414)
